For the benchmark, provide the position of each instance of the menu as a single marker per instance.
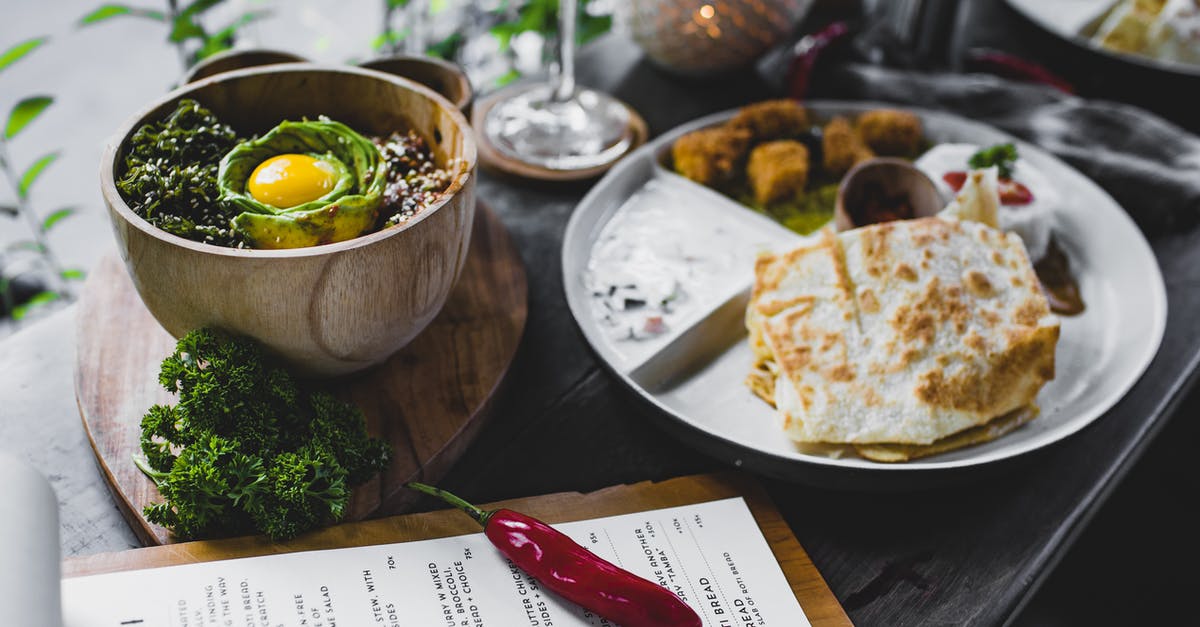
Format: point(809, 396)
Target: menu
point(712, 555)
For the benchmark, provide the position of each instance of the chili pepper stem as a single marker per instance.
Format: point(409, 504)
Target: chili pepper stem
point(480, 516)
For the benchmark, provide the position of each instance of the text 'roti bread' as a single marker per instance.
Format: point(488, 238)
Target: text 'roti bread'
point(904, 332)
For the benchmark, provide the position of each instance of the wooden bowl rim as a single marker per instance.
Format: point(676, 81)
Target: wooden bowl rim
point(108, 186)
point(451, 69)
point(194, 74)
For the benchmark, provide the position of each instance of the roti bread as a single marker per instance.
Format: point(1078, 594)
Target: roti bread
point(900, 333)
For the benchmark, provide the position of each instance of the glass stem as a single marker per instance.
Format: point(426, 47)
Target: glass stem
point(415, 15)
point(565, 87)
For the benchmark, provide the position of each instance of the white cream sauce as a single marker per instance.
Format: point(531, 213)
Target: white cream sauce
point(1033, 222)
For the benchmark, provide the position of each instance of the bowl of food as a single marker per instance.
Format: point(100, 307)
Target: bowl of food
point(325, 211)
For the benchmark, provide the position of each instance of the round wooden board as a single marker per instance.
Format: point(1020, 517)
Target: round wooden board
point(490, 157)
point(429, 400)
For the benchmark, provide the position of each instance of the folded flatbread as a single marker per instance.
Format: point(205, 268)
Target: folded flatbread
point(901, 333)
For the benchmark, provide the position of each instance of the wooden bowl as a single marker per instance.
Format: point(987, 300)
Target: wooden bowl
point(893, 177)
point(239, 59)
point(444, 77)
point(330, 309)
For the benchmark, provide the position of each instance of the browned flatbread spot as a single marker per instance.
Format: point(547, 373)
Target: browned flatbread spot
point(978, 284)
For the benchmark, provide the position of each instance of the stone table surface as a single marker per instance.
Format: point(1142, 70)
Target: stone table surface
point(970, 553)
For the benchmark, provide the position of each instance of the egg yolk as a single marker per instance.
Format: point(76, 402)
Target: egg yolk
point(285, 181)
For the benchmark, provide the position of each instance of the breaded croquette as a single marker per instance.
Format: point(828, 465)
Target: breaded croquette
point(890, 132)
point(772, 119)
point(778, 170)
point(711, 156)
point(841, 147)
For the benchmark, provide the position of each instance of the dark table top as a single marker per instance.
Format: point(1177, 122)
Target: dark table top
point(966, 554)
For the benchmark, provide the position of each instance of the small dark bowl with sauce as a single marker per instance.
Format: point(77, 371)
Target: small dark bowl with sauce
point(884, 189)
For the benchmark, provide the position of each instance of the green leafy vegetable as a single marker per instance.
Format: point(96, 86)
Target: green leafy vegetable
point(1002, 156)
point(170, 175)
point(248, 448)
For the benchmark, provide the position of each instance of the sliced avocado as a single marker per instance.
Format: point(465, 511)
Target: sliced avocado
point(348, 210)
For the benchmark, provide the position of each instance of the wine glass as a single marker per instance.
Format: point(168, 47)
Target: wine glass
point(558, 125)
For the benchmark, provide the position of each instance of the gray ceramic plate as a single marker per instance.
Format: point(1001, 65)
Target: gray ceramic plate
point(693, 373)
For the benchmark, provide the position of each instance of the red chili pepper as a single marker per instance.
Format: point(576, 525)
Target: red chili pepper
point(572, 571)
point(1006, 65)
point(805, 55)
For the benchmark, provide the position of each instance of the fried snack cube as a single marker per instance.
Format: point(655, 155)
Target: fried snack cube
point(772, 119)
point(890, 132)
point(710, 156)
point(841, 147)
point(778, 170)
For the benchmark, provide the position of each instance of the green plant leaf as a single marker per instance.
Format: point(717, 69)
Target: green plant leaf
point(14, 54)
point(24, 244)
point(34, 171)
point(25, 112)
point(185, 26)
point(104, 12)
point(446, 48)
point(504, 33)
point(223, 39)
point(8, 210)
point(507, 78)
point(73, 274)
point(397, 4)
point(390, 38)
point(40, 299)
point(183, 30)
point(592, 26)
point(196, 7)
point(108, 11)
point(54, 217)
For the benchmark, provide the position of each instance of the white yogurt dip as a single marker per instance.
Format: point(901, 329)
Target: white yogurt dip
point(1033, 222)
point(669, 256)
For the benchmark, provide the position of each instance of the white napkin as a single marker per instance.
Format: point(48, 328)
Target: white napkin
point(29, 548)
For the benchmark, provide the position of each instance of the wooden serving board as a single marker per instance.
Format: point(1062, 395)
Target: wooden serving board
point(429, 400)
point(818, 601)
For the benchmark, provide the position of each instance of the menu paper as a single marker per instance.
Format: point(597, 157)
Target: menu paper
point(712, 555)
